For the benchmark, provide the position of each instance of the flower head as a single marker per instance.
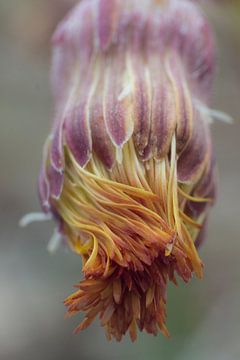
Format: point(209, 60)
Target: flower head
point(128, 169)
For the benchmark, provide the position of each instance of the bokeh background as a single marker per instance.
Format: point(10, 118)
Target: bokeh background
point(203, 317)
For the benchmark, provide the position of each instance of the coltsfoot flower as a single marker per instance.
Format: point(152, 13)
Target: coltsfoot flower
point(128, 170)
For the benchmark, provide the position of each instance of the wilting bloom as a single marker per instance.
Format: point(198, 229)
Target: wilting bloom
point(128, 170)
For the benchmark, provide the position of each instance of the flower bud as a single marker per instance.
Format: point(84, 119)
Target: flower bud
point(128, 169)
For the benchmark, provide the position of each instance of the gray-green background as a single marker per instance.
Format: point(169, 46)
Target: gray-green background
point(203, 317)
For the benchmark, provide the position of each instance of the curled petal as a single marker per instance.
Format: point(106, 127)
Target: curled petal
point(118, 106)
point(78, 135)
point(57, 153)
point(163, 117)
point(193, 159)
point(43, 181)
point(142, 107)
point(56, 180)
point(183, 102)
point(102, 144)
point(107, 21)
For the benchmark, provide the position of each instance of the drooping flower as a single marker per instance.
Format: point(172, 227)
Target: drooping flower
point(128, 170)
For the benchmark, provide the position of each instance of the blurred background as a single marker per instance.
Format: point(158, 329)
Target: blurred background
point(203, 317)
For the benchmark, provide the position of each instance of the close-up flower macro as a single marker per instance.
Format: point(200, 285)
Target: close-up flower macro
point(138, 178)
point(128, 169)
